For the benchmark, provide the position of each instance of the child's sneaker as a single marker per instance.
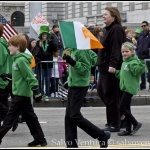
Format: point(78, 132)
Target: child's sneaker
point(46, 99)
point(103, 141)
point(136, 128)
point(52, 95)
point(56, 94)
point(124, 133)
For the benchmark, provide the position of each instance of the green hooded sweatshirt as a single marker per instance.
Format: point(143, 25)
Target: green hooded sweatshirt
point(23, 79)
point(79, 75)
point(5, 61)
point(130, 74)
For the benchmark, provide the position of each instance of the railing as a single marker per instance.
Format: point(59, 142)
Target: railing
point(55, 86)
point(52, 79)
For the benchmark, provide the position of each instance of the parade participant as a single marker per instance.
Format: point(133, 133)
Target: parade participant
point(110, 59)
point(80, 63)
point(5, 85)
point(23, 83)
point(129, 76)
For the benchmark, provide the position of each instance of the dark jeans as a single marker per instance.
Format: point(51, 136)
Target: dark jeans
point(143, 81)
point(125, 109)
point(54, 84)
point(46, 74)
point(4, 105)
point(74, 118)
point(108, 90)
point(22, 105)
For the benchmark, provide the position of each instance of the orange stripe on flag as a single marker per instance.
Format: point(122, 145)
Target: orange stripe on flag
point(95, 43)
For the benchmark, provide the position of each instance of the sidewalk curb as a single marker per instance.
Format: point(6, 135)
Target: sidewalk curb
point(137, 100)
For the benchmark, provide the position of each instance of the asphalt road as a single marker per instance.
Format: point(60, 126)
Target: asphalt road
point(52, 121)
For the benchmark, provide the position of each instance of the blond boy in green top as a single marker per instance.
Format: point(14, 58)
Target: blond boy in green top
point(129, 75)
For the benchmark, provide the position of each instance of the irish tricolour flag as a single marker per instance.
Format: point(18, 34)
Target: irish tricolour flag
point(76, 35)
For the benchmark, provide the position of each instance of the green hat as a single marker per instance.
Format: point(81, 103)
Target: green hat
point(44, 29)
point(138, 30)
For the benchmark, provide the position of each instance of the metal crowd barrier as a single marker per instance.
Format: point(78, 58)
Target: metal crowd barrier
point(147, 73)
point(52, 87)
point(60, 86)
point(51, 84)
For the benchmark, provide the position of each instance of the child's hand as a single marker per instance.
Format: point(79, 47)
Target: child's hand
point(66, 52)
point(112, 70)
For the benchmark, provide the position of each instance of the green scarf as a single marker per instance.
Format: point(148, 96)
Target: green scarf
point(44, 46)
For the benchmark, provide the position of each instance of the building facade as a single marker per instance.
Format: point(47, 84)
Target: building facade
point(20, 14)
point(13, 12)
point(88, 13)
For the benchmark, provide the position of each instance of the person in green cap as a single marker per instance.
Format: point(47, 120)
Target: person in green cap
point(46, 48)
point(137, 32)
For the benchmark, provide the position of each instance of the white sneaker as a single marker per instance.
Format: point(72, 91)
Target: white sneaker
point(52, 95)
point(46, 99)
point(56, 94)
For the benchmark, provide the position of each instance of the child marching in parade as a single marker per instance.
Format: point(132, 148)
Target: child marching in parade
point(23, 83)
point(5, 63)
point(5, 85)
point(129, 75)
point(80, 62)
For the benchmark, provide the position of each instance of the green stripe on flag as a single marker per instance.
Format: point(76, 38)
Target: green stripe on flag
point(68, 34)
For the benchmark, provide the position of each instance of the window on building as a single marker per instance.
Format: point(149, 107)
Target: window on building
point(81, 9)
point(145, 6)
point(17, 19)
point(99, 8)
point(73, 9)
point(89, 8)
point(132, 6)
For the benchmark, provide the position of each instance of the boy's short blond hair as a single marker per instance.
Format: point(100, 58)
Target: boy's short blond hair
point(19, 41)
point(130, 46)
point(128, 30)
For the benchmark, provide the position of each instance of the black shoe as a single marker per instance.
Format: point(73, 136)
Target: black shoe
point(15, 126)
point(36, 143)
point(107, 125)
point(112, 129)
point(104, 140)
point(124, 133)
point(136, 128)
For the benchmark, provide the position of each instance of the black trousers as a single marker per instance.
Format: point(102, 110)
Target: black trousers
point(54, 84)
point(109, 92)
point(4, 105)
point(74, 118)
point(125, 109)
point(22, 105)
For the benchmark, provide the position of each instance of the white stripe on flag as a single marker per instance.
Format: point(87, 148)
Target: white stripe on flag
point(5, 37)
point(81, 41)
point(10, 29)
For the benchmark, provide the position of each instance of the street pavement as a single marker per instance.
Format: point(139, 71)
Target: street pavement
point(52, 121)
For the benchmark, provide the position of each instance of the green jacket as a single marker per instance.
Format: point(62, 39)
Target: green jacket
point(23, 79)
point(130, 74)
point(79, 75)
point(5, 61)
